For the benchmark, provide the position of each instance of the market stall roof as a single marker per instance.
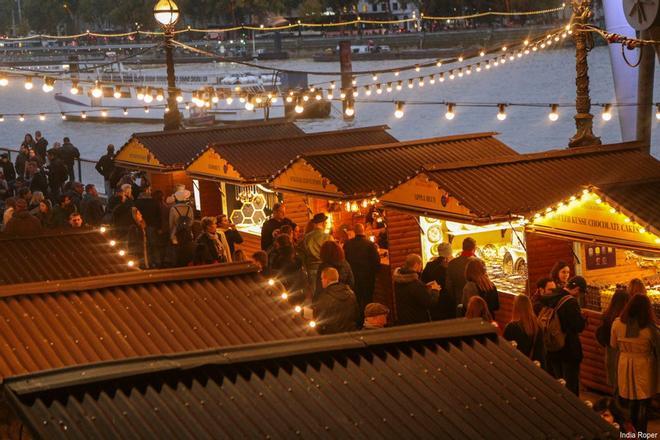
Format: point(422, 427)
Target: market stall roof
point(640, 200)
point(59, 255)
point(452, 379)
point(142, 313)
point(490, 190)
point(371, 170)
point(254, 161)
point(171, 150)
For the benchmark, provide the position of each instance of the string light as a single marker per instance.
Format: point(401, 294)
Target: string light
point(117, 93)
point(410, 83)
point(104, 113)
point(449, 115)
point(554, 114)
point(21, 118)
point(398, 111)
point(312, 324)
point(48, 85)
point(657, 112)
point(74, 88)
point(83, 115)
point(160, 97)
point(388, 87)
point(607, 112)
point(501, 113)
point(42, 117)
point(63, 116)
point(4, 82)
point(96, 91)
point(2, 118)
point(28, 83)
point(299, 107)
point(146, 109)
point(350, 111)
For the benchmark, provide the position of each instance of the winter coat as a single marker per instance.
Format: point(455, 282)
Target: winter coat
point(311, 245)
point(23, 224)
point(207, 252)
point(362, 256)
point(21, 160)
point(233, 238)
point(413, 298)
point(572, 324)
point(456, 277)
point(336, 309)
point(39, 182)
point(106, 165)
point(288, 268)
point(91, 209)
point(150, 211)
point(638, 372)
point(69, 153)
point(61, 215)
point(57, 174)
point(40, 148)
point(345, 275)
point(532, 347)
point(270, 226)
point(8, 170)
point(435, 270)
point(140, 245)
point(491, 297)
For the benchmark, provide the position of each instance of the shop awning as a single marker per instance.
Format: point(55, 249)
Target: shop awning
point(168, 151)
point(365, 172)
point(256, 160)
point(486, 191)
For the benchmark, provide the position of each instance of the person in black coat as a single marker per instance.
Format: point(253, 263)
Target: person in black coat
point(525, 331)
point(69, 154)
point(40, 146)
point(413, 298)
point(287, 267)
point(436, 270)
point(36, 177)
point(565, 363)
point(91, 207)
point(277, 220)
point(362, 255)
point(106, 167)
point(7, 168)
point(456, 270)
point(149, 208)
point(57, 173)
point(21, 161)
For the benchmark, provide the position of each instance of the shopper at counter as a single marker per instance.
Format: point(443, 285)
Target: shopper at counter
point(436, 270)
point(614, 309)
point(564, 363)
point(456, 270)
point(311, 247)
point(336, 308)
point(332, 255)
point(635, 335)
point(479, 284)
point(363, 257)
point(413, 298)
point(275, 222)
point(560, 273)
point(636, 286)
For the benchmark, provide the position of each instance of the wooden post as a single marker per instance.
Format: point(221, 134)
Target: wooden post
point(346, 78)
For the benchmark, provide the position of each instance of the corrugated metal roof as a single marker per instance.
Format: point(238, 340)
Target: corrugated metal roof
point(58, 256)
point(138, 314)
point(531, 182)
point(375, 384)
point(176, 148)
point(257, 160)
point(373, 170)
point(641, 199)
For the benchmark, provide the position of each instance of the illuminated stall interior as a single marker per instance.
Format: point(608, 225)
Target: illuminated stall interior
point(240, 169)
point(162, 155)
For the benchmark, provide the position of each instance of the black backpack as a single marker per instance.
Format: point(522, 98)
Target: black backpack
point(183, 230)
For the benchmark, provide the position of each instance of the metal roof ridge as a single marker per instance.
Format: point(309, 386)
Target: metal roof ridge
point(127, 278)
point(304, 135)
point(465, 137)
point(531, 157)
point(115, 369)
point(207, 129)
point(610, 186)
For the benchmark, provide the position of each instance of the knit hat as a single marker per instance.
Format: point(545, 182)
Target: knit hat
point(444, 250)
point(375, 309)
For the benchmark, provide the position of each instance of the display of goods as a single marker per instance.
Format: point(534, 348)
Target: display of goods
point(653, 294)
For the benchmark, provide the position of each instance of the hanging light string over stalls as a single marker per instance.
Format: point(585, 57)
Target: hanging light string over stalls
point(297, 25)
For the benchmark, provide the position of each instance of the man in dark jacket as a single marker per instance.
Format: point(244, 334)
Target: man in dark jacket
point(62, 211)
point(105, 167)
point(414, 299)
point(22, 223)
point(91, 207)
point(21, 161)
point(7, 168)
point(363, 257)
point(275, 222)
point(335, 308)
point(456, 270)
point(57, 173)
point(36, 177)
point(149, 209)
point(40, 146)
point(565, 363)
point(69, 154)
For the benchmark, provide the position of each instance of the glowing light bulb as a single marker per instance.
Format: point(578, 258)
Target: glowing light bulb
point(160, 97)
point(501, 113)
point(83, 115)
point(74, 88)
point(42, 117)
point(399, 85)
point(482, 53)
point(350, 111)
point(305, 98)
point(4, 82)
point(113, 243)
point(117, 93)
point(125, 111)
point(417, 68)
point(312, 324)
point(298, 309)
point(374, 77)
point(102, 229)
point(179, 98)
point(396, 73)
point(122, 253)
point(449, 115)
point(299, 108)
point(607, 112)
point(63, 116)
point(47, 85)
point(284, 295)
point(421, 82)
point(460, 59)
point(146, 109)
point(148, 99)
point(438, 63)
point(229, 100)
point(104, 113)
point(504, 49)
point(249, 105)
point(379, 90)
point(354, 81)
point(28, 83)
point(554, 114)
point(451, 74)
point(271, 282)
point(441, 78)
point(96, 91)
point(657, 112)
point(398, 112)
point(355, 93)
point(131, 263)
point(388, 87)
point(367, 90)
point(333, 85)
point(2, 118)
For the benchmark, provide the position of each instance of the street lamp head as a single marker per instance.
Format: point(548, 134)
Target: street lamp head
point(166, 12)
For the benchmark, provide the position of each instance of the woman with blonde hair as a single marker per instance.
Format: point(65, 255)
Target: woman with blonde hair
point(525, 331)
point(636, 286)
point(478, 284)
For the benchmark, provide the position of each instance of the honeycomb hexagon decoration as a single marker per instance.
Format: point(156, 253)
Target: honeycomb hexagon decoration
point(251, 212)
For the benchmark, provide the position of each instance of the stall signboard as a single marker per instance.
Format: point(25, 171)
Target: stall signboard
point(600, 256)
point(301, 177)
point(421, 195)
point(591, 219)
point(210, 164)
point(135, 153)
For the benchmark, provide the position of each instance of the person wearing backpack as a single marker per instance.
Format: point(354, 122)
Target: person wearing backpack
point(181, 214)
point(562, 322)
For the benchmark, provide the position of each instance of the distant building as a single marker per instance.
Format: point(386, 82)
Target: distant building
point(397, 9)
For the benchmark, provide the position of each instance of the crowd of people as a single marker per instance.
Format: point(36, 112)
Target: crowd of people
point(39, 191)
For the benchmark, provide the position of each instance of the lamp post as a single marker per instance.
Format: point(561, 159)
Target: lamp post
point(167, 14)
point(583, 119)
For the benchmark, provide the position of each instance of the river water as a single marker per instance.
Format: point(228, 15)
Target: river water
point(548, 76)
